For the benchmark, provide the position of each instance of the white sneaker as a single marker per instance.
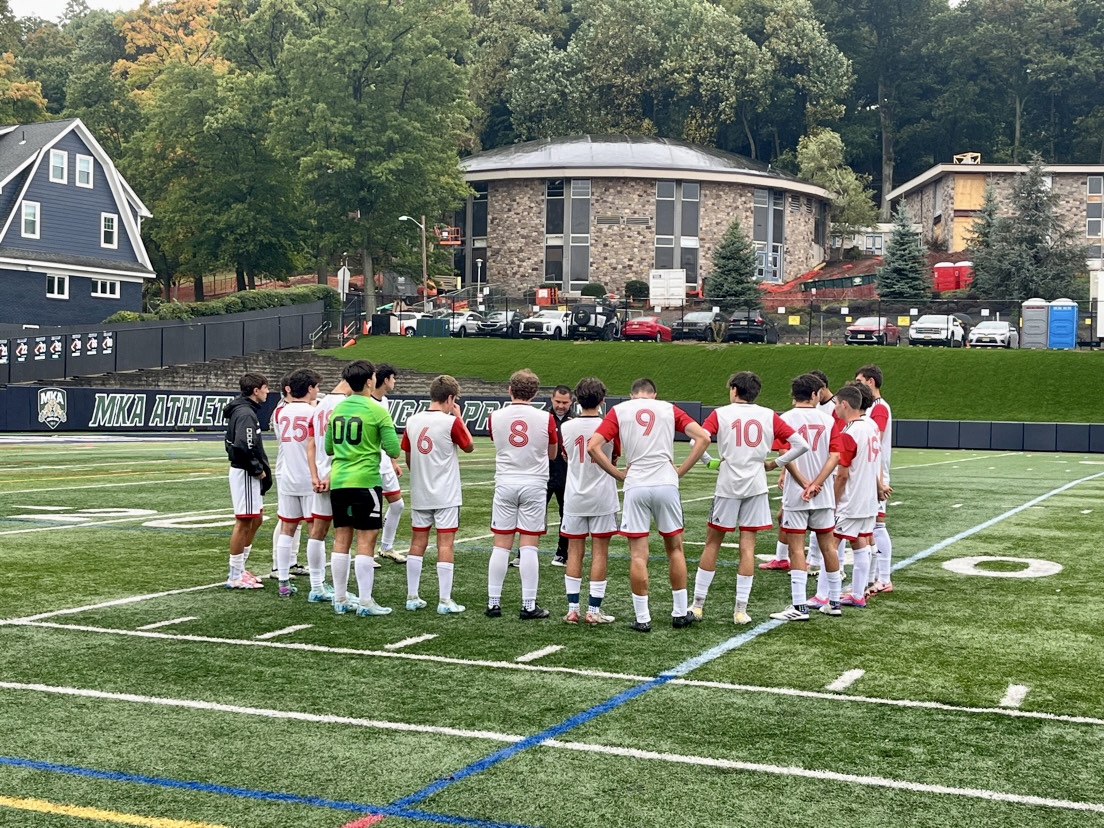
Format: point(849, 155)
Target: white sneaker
point(397, 557)
point(449, 607)
point(790, 613)
point(375, 562)
point(739, 617)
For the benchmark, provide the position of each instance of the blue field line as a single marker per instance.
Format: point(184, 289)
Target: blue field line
point(264, 796)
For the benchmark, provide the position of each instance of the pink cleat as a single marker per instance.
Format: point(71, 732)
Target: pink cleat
point(781, 566)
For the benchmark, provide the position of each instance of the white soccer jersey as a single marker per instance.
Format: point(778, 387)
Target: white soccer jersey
point(589, 491)
point(646, 429)
point(745, 433)
point(816, 427)
point(883, 419)
point(521, 436)
point(386, 467)
point(431, 440)
point(293, 425)
point(322, 412)
point(860, 452)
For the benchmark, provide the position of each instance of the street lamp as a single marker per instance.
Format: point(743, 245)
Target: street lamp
point(425, 273)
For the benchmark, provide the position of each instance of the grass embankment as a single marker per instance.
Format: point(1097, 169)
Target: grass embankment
point(920, 383)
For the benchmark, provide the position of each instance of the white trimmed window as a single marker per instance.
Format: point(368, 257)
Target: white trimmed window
point(31, 218)
point(57, 287)
point(85, 165)
point(109, 230)
point(59, 167)
point(105, 288)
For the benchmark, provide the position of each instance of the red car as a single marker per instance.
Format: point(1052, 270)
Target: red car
point(646, 327)
point(873, 330)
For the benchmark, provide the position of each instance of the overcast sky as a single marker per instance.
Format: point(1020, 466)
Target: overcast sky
point(53, 9)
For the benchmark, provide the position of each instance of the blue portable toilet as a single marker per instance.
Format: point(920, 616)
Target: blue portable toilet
point(1062, 324)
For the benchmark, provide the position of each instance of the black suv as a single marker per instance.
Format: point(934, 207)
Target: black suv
point(699, 325)
point(501, 323)
point(595, 320)
point(751, 326)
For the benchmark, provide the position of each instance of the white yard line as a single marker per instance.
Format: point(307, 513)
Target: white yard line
point(155, 460)
point(110, 485)
point(284, 631)
point(541, 653)
point(582, 747)
point(406, 642)
point(845, 681)
point(169, 623)
point(960, 460)
point(1014, 695)
point(127, 519)
point(118, 602)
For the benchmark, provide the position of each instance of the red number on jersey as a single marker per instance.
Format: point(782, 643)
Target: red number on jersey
point(873, 448)
point(745, 435)
point(519, 434)
point(294, 430)
point(817, 430)
point(581, 443)
point(425, 443)
point(646, 418)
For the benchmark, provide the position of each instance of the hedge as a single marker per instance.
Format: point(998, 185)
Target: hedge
point(236, 303)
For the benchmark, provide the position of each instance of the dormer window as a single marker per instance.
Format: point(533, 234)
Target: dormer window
point(59, 167)
point(109, 233)
point(84, 171)
point(29, 227)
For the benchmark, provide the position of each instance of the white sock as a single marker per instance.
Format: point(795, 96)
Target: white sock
point(283, 556)
point(835, 586)
point(316, 563)
point(391, 523)
point(245, 554)
point(743, 591)
point(884, 571)
point(815, 558)
point(799, 581)
point(702, 580)
point(444, 582)
point(572, 586)
point(496, 574)
point(276, 544)
point(413, 575)
point(860, 572)
point(237, 564)
point(823, 581)
point(781, 551)
point(339, 571)
point(597, 593)
point(296, 539)
point(678, 603)
point(640, 607)
point(366, 576)
point(530, 573)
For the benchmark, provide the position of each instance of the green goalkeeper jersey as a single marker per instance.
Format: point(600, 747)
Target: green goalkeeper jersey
point(358, 434)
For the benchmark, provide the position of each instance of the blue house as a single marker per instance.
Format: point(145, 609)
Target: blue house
point(71, 247)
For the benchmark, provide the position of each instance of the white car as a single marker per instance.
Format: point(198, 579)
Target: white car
point(938, 329)
point(547, 324)
point(464, 323)
point(994, 335)
point(405, 323)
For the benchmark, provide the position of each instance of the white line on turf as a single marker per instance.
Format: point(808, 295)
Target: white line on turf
point(113, 485)
point(284, 631)
point(583, 747)
point(845, 681)
point(169, 623)
point(960, 460)
point(118, 602)
point(541, 653)
point(406, 642)
point(1014, 695)
point(90, 523)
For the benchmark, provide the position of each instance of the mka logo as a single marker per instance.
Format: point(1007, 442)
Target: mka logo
point(51, 406)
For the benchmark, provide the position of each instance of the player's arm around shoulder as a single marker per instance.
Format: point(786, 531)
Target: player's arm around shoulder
point(389, 438)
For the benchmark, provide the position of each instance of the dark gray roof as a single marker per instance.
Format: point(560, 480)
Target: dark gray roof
point(639, 151)
point(24, 141)
point(74, 260)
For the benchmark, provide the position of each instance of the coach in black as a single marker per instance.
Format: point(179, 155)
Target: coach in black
point(250, 475)
point(557, 467)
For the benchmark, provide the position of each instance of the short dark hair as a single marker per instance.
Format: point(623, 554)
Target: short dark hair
point(820, 375)
point(590, 392)
point(747, 385)
point(301, 381)
point(285, 381)
point(524, 384)
point(357, 374)
point(864, 391)
point(250, 383)
point(561, 389)
point(851, 395)
point(643, 384)
point(443, 387)
point(804, 387)
point(384, 371)
point(871, 372)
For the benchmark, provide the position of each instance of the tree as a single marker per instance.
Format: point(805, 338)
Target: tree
point(21, 101)
point(172, 31)
point(904, 274)
point(820, 160)
point(733, 282)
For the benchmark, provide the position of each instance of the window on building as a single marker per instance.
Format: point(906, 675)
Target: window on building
point(1096, 185)
point(1092, 228)
point(937, 198)
point(554, 210)
point(109, 233)
point(57, 287)
point(479, 210)
point(105, 288)
point(664, 252)
point(59, 167)
point(579, 219)
point(84, 171)
point(31, 220)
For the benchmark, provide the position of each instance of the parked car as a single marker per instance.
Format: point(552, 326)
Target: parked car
point(547, 324)
point(502, 323)
point(947, 329)
point(463, 323)
point(646, 327)
point(873, 330)
point(699, 325)
point(751, 326)
point(993, 334)
point(405, 323)
point(595, 320)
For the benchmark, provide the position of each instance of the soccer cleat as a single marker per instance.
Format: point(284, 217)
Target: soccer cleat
point(375, 562)
point(559, 560)
point(371, 608)
point(813, 570)
point(516, 562)
point(713, 464)
point(816, 602)
point(271, 575)
point(493, 612)
point(781, 566)
point(697, 612)
point(321, 596)
point(597, 617)
point(391, 554)
point(250, 578)
point(641, 626)
point(348, 605)
point(287, 590)
point(299, 569)
point(828, 609)
point(572, 617)
point(790, 613)
point(877, 588)
point(415, 603)
point(533, 614)
point(242, 584)
point(680, 621)
point(739, 617)
point(449, 607)
point(849, 600)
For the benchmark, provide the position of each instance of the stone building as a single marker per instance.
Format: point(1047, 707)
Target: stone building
point(609, 209)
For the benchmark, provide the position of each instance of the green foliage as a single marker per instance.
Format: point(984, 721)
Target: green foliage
point(593, 289)
point(637, 289)
point(820, 160)
point(733, 280)
point(904, 274)
point(173, 310)
point(127, 316)
point(249, 300)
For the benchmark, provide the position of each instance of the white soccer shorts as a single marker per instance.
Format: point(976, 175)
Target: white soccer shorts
point(853, 528)
point(294, 508)
point(245, 492)
point(321, 506)
point(519, 507)
point(799, 521)
point(748, 514)
point(598, 526)
point(446, 520)
point(390, 479)
point(645, 503)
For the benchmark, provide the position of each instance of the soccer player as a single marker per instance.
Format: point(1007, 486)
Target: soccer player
point(557, 467)
point(250, 475)
point(358, 432)
point(430, 441)
point(816, 514)
point(294, 487)
point(871, 377)
point(321, 508)
point(645, 427)
point(390, 472)
point(745, 433)
point(525, 440)
point(590, 504)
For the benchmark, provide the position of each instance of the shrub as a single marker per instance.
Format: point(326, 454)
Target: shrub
point(637, 289)
point(212, 308)
point(173, 310)
point(236, 303)
point(128, 316)
point(593, 289)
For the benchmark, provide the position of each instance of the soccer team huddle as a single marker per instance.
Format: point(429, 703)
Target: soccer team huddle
point(337, 464)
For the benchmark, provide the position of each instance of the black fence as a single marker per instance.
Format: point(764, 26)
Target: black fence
point(36, 355)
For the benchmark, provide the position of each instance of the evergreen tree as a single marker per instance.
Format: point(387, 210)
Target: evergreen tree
point(988, 273)
point(733, 282)
point(904, 274)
